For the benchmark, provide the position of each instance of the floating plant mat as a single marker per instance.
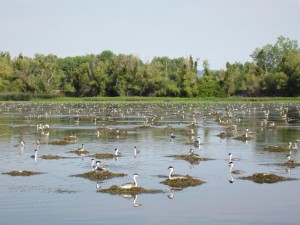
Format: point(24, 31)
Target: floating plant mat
point(191, 159)
point(182, 183)
point(243, 138)
point(52, 157)
point(291, 164)
point(62, 142)
point(116, 190)
point(266, 178)
point(22, 173)
point(102, 175)
point(79, 152)
point(276, 148)
point(103, 156)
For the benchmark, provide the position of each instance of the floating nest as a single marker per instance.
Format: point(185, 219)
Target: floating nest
point(22, 173)
point(116, 190)
point(79, 152)
point(225, 135)
point(243, 138)
point(103, 156)
point(276, 148)
point(190, 158)
point(290, 164)
point(100, 175)
point(268, 178)
point(62, 142)
point(51, 157)
point(183, 183)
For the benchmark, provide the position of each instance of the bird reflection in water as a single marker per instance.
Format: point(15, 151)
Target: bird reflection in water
point(170, 192)
point(135, 197)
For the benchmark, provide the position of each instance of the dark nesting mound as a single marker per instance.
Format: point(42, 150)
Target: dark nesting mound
point(266, 178)
point(116, 190)
point(103, 156)
point(183, 183)
point(276, 148)
point(243, 138)
point(191, 159)
point(79, 152)
point(225, 135)
point(62, 142)
point(100, 175)
point(51, 157)
point(22, 173)
point(290, 164)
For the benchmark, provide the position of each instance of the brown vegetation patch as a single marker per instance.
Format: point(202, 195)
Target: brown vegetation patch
point(51, 157)
point(182, 183)
point(265, 178)
point(243, 138)
point(100, 175)
point(191, 159)
point(225, 135)
point(79, 152)
point(276, 148)
point(61, 142)
point(103, 156)
point(290, 164)
point(116, 190)
point(22, 173)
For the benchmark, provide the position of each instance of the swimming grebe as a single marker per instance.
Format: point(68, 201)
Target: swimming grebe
point(130, 185)
point(99, 167)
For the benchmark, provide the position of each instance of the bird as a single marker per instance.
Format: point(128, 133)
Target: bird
point(38, 142)
point(136, 151)
point(198, 141)
point(82, 148)
point(99, 167)
point(130, 184)
point(172, 177)
point(35, 156)
point(194, 154)
point(93, 164)
point(232, 159)
point(117, 153)
point(293, 147)
point(234, 171)
point(172, 136)
point(71, 137)
point(289, 159)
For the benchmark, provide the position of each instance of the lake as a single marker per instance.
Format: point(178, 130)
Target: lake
point(59, 197)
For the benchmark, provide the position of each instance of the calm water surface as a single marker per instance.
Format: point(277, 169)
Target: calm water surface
point(58, 197)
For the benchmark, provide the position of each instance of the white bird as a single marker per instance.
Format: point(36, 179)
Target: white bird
point(117, 153)
point(194, 154)
point(235, 171)
point(35, 156)
point(93, 164)
point(136, 151)
point(172, 177)
point(82, 148)
point(131, 184)
point(99, 167)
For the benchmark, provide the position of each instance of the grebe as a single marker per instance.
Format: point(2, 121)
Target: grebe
point(194, 154)
point(293, 147)
point(82, 148)
point(172, 136)
point(136, 151)
point(99, 167)
point(93, 164)
point(232, 159)
point(130, 185)
point(172, 177)
point(117, 153)
point(35, 156)
point(289, 158)
point(235, 171)
point(198, 141)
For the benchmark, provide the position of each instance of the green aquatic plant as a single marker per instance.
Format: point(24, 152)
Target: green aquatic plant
point(100, 175)
point(191, 158)
point(22, 173)
point(116, 190)
point(265, 178)
point(183, 183)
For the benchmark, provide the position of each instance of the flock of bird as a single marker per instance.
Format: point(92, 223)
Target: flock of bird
point(227, 118)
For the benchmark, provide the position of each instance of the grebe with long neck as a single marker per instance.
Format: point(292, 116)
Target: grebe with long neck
point(193, 153)
point(130, 185)
point(99, 167)
point(172, 177)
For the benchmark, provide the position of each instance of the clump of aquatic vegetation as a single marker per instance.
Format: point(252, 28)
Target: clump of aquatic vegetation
point(61, 142)
point(276, 148)
point(22, 173)
point(103, 156)
point(191, 158)
point(116, 190)
point(290, 164)
point(80, 152)
point(97, 176)
point(51, 157)
point(243, 138)
point(266, 178)
point(188, 181)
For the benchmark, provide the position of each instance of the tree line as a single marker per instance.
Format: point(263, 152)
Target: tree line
point(274, 71)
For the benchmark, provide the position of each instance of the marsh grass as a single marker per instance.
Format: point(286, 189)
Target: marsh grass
point(191, 159)
point(266, 178)
point(116, 190)
point(98, 176)
point(22, 173)
point(183, 183)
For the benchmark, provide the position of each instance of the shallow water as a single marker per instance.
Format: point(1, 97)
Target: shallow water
point(58, 197)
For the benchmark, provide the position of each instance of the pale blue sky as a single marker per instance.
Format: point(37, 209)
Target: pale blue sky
point(216, 30)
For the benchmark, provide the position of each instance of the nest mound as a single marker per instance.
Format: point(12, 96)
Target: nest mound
point(22, 173)
point(243, 138)
point(290, 164)
point(100, 175)
point(183, 183)
point(79, 152)
point(51, 157)
point(103, 156)
point(266, 178)
point(276, 148)
point(61, 142)
point(116, 190)
point(190, 158)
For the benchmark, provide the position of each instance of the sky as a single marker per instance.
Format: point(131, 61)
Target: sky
point(219, 31)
